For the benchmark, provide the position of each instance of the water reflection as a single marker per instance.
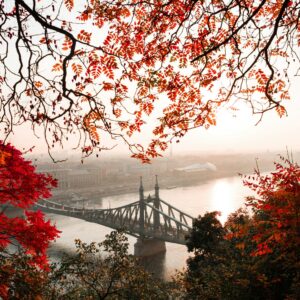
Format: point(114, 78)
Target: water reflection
point(223, 199)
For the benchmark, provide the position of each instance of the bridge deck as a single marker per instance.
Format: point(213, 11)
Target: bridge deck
point(160, 220)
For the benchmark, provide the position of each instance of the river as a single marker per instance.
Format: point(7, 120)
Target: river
point(224, 195)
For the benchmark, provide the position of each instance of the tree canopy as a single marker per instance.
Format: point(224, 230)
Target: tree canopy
point(103, 271)
point(251, 256)
point(95, 271)
point(94, 69)
point(28, 233)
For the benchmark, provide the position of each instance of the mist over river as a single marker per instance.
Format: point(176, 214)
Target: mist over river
point(224, 195)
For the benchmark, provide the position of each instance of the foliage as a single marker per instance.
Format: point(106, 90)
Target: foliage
point(96, 271)
point(21, 187)
point(19, 277)
point(107, 67)
point(103, 271)
point(252, 256)
point(277, 208)
point(207, 232)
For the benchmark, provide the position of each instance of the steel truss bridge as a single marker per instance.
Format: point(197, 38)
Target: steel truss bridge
point(148, 218)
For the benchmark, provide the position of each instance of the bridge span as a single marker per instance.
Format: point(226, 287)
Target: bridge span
point(152, 220)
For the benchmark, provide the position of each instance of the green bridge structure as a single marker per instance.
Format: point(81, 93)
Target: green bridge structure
point(150, 219)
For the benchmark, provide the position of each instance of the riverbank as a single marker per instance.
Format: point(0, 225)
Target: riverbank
point(105, 178)
point(167, 181)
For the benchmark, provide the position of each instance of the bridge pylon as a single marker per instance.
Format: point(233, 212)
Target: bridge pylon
point(142, 208)
point(146, 246)
point(156, 218)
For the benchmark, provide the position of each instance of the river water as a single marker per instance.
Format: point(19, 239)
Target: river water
point(224, 195)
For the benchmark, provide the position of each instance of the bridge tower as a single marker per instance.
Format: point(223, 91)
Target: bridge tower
point(146, 246)
point(142, 208)
point(156, 218)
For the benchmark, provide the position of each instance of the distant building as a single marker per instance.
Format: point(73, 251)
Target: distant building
point(62, 177)
point(74, 177)
point(198, 168)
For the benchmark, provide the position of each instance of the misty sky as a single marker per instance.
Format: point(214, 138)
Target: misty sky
point(232, 134)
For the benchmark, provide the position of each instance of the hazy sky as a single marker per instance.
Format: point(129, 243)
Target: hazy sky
point(239, 134)
point(232, 134)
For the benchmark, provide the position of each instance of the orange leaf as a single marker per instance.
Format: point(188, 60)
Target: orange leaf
point(261, 77)
point(3, 156)
point(241, 246)
point(57, 67)
point(108, 86)
point(89, 123)
point(69, 4)
point(77, 69)
point(211, 120)
point(84, 36)
point(93, 56)
point(67, 44)
point(38, 84)
point(43, 40)
point(95, 69)
point(85, 15)
point(281, 111)
point(148, 108)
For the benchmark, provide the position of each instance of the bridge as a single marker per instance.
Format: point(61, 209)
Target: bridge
point(152, 220)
